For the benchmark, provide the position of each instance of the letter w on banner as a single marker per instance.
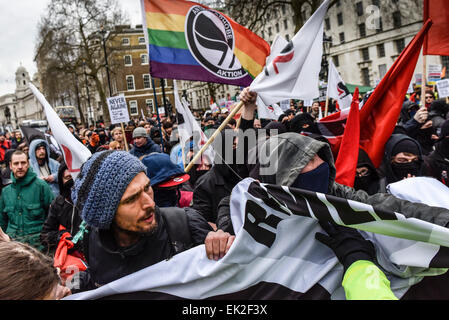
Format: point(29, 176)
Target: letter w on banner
point(275, 254)
point(75, 153)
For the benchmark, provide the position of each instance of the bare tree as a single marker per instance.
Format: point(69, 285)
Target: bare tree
point(69, 38)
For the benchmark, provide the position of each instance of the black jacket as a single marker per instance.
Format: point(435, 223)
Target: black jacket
point(62, 212)
point(437, 165)
point(108, 262)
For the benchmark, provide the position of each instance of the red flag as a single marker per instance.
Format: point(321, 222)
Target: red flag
point(437, 39)
point(346, 163)
point(379, 114)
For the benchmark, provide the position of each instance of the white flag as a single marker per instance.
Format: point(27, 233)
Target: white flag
point(336, 88)
point(75, 153)
point(293, 74)
point(273, 111)
point(188, 127)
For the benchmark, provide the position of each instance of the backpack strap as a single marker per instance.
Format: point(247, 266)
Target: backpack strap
point(178, 229)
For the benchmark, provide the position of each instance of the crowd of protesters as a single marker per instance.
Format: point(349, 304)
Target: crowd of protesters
point(40, 201)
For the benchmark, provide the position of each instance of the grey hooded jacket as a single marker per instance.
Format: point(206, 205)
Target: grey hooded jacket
point(290, 152)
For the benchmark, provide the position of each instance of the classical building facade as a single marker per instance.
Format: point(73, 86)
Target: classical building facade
point(20, 105)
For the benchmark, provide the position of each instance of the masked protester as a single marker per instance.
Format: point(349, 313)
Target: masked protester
point(62, 213)
point(166, 179)
point(403, 159)
point(437, 163)
point(366, 178)
point(218, 182)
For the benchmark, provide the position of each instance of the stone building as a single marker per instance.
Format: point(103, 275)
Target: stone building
point(20, 105)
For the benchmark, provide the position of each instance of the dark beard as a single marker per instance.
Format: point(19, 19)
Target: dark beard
point(138, 234)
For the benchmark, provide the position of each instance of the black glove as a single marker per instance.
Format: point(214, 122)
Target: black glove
point(348, 244)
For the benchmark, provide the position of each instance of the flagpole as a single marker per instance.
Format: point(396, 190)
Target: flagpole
point(326, 108)
point(124, 136)
point(214, 135)
point(157, 114)
point(424, 81)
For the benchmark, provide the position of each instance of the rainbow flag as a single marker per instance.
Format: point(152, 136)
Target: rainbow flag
point(189, 41)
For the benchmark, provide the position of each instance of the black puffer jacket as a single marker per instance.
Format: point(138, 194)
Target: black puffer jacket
point(108, 262)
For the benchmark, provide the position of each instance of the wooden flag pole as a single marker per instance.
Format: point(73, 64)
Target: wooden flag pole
point(424, 81)
point(124, 136)
point(214, 135)
point(326, 108)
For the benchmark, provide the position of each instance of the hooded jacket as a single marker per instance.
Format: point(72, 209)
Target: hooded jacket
point(372, 180)
point(24, 206)
point(292, 152)
point(53, 165)
point(389, 176)
point(405, 111)
point(147, 148)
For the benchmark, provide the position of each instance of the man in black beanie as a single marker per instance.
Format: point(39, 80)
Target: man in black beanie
point(402, 159)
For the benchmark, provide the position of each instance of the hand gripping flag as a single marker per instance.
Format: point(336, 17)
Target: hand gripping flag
point(293, 73)
point(189, 41)
point(336, 88)
point(275, 254)
point(75, 153)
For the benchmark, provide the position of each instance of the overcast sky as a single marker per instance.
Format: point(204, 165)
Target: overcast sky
point(18, 25)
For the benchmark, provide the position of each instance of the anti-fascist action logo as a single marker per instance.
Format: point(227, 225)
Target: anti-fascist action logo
point(210, 38)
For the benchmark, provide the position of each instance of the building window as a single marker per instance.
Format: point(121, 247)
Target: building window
point(365, 54)
point(381, 50)
point(125, 41)
point(141, 40)
point(327, 21)
point(382, 70)
point(133, 108)
point(400, 45)
point(144, 58)
point(376, 3)
point(150, 105)
point(338, 3)
point(342, 37)
point(381, 27)
point(336, 61)
point(130, 83)
point(362, 30)
point(269, 32)
point(340, 19)
point(365, 77)
point(285, 24)
point(128, 60)
point(283, 9)
point(397, 19)
point(146, 81)
point(359, 8)
point(287, 37)
point(277, 27)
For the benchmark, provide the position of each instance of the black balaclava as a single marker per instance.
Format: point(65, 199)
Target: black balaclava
point(315, 180)
point(65, 189)
point(164, 197)
point(401, 170)
point(370, 182)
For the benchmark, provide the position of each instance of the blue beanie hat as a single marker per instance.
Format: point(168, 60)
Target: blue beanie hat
point(101, 184)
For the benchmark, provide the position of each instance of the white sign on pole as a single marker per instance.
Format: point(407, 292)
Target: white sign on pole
point(308, 103)
point(443, 88)
point(161, 111)
point(118, 110)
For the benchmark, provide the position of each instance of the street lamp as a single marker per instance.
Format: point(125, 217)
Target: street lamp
point(327, 43)
point(103, 32)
